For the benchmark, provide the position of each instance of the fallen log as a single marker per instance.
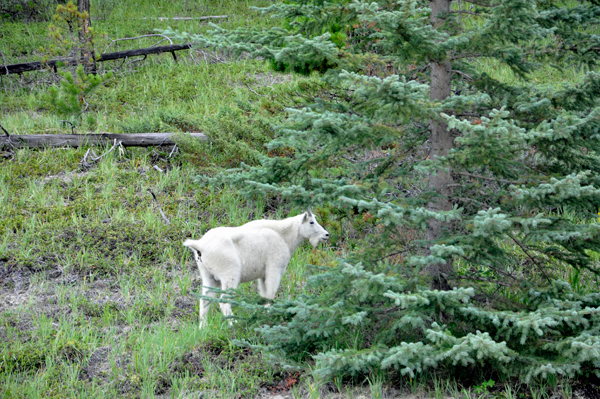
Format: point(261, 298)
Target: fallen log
point(78, 140)
point(37, 65)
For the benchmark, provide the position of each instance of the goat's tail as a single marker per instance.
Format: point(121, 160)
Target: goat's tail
point(193, 245)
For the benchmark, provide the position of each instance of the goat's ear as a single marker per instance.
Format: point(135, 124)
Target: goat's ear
point(305, 218)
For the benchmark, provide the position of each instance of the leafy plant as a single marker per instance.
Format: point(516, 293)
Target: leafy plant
point(484, 386)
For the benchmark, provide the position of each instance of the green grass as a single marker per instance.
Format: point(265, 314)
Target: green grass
point(164, 96)
point(97, 290)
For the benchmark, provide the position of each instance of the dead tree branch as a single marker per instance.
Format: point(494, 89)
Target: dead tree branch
point(115, 145)
point(167, 221)
point(37, 65)
point(5, 131)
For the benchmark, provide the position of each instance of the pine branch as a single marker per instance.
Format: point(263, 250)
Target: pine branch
point(410, 248)
point(499, 271)
point(463, 199)
point(540, 267)
point(485, 280)
point(488, 178)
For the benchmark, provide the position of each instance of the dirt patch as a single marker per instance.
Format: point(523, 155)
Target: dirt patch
point(589, 389)
point(282, 383)
point(215, 352)
point(65, 177)
point(13, 278)
point(25, 295)
point(16, 283)
point(184, 306)
point(330, 391)
point(190, 362)
point(98, 364)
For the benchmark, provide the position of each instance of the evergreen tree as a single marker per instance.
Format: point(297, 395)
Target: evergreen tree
point(500, 175)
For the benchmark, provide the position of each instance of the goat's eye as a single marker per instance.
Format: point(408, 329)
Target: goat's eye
point(311, 222)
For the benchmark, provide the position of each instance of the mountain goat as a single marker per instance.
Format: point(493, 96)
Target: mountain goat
point(258, 250)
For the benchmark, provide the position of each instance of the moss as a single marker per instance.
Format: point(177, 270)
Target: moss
point(30, 356)
point(26, 358)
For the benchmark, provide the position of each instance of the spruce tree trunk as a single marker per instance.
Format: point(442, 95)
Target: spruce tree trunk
point(440, 143)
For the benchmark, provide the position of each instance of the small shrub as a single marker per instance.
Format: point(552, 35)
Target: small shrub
point(164, 120)
point(70, 97)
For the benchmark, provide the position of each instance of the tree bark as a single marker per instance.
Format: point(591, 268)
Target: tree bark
point(87, 60)
point(78, 140)
point(440, 143)
point(83, 6)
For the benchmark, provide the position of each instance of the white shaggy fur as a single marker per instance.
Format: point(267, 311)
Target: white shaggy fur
point(258, 250)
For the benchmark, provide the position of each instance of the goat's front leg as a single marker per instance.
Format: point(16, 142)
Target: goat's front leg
point(271, 282)
point(261, 286)
point(262, 290)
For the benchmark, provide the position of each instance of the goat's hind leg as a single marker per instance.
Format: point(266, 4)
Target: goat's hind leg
point(208, 282)
point(228, 283)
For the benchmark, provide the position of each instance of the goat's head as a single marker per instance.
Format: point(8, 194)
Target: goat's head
point(312, 230)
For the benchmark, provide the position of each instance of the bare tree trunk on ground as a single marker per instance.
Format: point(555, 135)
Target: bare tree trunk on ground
point(441, 143)
point(78, 140)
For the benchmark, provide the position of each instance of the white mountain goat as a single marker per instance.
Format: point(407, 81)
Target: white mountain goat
point(258, 250)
